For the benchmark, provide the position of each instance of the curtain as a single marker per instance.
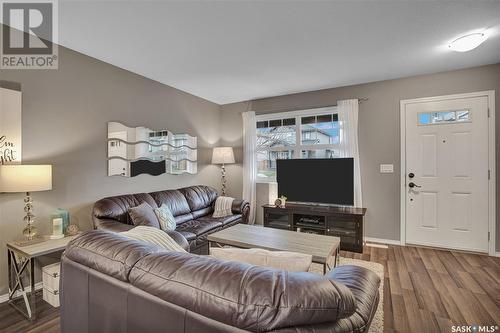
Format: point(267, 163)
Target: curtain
point(348, 119)
point(249, 163)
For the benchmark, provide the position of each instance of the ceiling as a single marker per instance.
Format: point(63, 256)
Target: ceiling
point(229, 51)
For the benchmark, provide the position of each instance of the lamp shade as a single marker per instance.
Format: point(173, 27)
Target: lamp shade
point(223, 155)
point(25, 178)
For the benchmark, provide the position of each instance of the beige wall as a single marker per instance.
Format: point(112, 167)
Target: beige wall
point(379, 133)
point(65, 114)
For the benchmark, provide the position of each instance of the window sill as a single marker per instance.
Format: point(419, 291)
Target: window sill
point(262, 181)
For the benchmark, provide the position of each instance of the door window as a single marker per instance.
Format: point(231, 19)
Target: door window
point(444, 117)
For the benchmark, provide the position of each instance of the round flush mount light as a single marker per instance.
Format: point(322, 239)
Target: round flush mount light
point(468, 42)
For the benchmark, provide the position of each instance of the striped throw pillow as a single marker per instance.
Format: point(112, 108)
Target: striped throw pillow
point(166, 218)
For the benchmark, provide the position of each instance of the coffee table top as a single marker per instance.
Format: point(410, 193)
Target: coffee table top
point(250, 236)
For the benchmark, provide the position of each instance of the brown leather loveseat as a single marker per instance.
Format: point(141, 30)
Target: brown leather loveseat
point(191, 206)
point(110, 283)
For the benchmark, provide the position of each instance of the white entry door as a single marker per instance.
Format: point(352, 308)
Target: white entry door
point(447, 173)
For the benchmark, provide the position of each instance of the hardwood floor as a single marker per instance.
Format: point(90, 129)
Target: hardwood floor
point(426, 290)
point(47, 319)
point(429, 290)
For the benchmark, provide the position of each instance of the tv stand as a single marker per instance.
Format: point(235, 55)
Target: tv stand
point(345, 222)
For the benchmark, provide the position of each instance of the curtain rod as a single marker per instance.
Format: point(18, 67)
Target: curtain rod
point(360, 100)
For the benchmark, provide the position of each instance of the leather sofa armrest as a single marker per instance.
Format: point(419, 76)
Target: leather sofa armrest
point(179, 239)
point(356, 278)
point(364, 285)
point(241, 206)
point(111, 225)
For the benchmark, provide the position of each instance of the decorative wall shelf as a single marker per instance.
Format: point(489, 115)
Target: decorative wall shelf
point(136, 150)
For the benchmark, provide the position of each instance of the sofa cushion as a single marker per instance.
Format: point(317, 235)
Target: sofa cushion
point(224, 220)
point(187, 234)
point(198, 227)
point(202, 212)
point(251, 298)
point(199, 197)
point(144, 215)
point(174, 199)
point(116, 208)
point(183, 218)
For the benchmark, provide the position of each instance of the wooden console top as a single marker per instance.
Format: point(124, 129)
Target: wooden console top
point(306, 208)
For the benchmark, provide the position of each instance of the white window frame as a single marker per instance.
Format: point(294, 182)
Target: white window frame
point(298, 147)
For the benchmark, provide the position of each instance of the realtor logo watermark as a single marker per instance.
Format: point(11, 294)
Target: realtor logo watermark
point(474, 328)
point(29, 34)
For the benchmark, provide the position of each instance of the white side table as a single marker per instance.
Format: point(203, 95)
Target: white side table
point(21, 259)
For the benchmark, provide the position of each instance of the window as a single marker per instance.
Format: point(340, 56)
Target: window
point(300, 134)
point(444, 117)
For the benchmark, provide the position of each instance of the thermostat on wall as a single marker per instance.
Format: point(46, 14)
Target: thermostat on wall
point(386, 168)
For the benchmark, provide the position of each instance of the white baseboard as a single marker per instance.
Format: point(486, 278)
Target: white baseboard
point(382, 241)
point(396, 242)
point(5, 297)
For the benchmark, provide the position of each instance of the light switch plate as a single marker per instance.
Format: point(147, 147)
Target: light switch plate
point(386, 168)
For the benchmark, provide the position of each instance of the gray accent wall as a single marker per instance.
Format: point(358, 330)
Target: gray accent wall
point(379, 133)
point(65, 114)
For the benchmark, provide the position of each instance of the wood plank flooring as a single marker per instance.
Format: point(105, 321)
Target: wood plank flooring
point(426, 290)
point(47, 320)
point(429, 290)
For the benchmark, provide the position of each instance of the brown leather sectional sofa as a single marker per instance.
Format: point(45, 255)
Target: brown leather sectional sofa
point(111, 283)
point(191, 206)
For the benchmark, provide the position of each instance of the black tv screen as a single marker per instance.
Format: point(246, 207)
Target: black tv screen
point(325, 181)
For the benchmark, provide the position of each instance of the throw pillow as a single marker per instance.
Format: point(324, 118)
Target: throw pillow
point(165, 217)
point(223, 207)
point(153, 236)
point(288, 261)
point(143, 215)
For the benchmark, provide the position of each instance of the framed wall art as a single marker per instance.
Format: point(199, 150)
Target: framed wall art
point(10, 126)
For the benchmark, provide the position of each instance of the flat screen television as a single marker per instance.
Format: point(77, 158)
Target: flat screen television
point(321, 181)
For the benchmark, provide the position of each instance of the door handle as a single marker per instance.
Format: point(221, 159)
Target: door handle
point(412, 185)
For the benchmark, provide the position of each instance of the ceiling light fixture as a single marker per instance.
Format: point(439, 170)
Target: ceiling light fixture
point(468, 42)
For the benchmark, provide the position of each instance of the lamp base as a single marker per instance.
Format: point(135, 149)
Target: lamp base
point(28, 242)
point(29, 231)
point(223, 180)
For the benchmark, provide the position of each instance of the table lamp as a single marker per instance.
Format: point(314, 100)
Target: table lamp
point(17, 178)
point(223, 155)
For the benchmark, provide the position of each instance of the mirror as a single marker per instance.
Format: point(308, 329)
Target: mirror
point(136, 150)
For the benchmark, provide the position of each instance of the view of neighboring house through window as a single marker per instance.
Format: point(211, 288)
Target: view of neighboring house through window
point(296, 136)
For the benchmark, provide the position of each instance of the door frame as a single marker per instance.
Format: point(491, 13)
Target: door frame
point(490, 94)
